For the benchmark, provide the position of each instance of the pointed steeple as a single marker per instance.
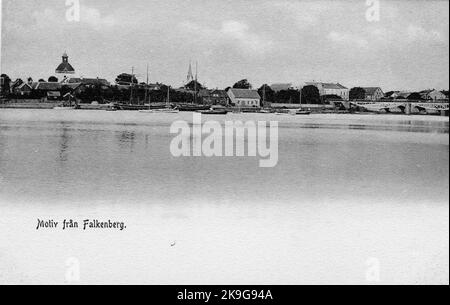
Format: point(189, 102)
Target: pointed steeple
point(190, 76)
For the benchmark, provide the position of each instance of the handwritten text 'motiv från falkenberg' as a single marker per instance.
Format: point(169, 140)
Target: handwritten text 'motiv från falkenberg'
point(84, 225)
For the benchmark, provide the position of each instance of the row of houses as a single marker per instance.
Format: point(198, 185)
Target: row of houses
point(55, 90)
point(427, 95)
point(371, 93)
point(239, 97)
point(71, 86)
point(325, 89)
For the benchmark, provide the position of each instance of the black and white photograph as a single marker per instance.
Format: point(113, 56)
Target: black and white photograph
point(215, 143)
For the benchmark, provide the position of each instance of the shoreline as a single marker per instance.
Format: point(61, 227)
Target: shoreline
point(318, 110)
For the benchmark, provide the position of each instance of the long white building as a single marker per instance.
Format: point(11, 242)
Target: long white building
point(244, 97)
point(331, 89)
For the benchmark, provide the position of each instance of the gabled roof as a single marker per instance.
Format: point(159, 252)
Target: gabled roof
point(430, 91)
point(16, 83)
point(72, 86)
point(88, 81)
point(333, 86)
point(280, 87)
point(391, 93)
point(371, 90)
point(327, 85)
point(245, 93)
point(209, 93)
point(48, 86)
point(24, 85)
point(426, 93)
point(403, 94)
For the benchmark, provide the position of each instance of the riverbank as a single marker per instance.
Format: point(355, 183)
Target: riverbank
point(275, 108)
point(30, 104)
point(140, 121)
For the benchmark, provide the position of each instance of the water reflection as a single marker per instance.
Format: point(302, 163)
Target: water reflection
point(126, 139)
point(132, 161)
point(419, 127)
point(147, 141)
point(64, 143)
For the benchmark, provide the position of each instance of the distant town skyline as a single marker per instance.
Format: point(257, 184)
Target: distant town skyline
point(264, 41)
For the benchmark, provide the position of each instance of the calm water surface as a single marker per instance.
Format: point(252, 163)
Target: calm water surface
point(347, 188)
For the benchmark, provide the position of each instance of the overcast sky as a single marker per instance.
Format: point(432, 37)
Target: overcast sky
point(266, 41)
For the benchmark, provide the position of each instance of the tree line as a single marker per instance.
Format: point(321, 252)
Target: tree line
point(128, 88)
point(307, 95)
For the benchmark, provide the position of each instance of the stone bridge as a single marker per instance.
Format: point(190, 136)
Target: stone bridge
point(406, 107)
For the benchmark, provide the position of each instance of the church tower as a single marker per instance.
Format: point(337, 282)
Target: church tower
point(65, 67)
point(190, 76)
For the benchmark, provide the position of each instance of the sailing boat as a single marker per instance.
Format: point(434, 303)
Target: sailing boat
point(168, 109)
point(146, 94)
point(301, 111)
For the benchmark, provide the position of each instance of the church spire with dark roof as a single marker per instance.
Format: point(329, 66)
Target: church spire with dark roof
point(65, 67)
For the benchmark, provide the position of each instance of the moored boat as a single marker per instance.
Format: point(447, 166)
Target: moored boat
point(282, 111)
point(302, 112)
point(192, 108)
point(112, 107)
point(214, 111)
point(166, 110)
point(64, 108)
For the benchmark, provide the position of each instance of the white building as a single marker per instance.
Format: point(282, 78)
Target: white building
point(433, 95)
point(244, 97)
point(331, 89)
point(374, 93)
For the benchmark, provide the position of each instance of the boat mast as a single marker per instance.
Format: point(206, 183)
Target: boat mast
point(146, 88)
point(132, 83)
point(264, 95)
point(196, 80)
point(168, 97)
point(301, 91)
